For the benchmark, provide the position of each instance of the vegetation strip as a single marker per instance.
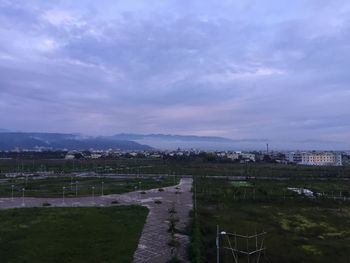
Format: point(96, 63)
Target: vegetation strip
point(70, 234)
point(299, 228)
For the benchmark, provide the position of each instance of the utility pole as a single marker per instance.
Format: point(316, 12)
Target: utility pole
point(23, 197)
point(63, 190)
point(93, 194)
point(76, 188)
point(217, 245)
point(195, 196)
point(12, 186)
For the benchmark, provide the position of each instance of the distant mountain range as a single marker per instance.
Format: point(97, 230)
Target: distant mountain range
point(168, 137)
point(56, 141)
point(171, 142)
point(122, 141)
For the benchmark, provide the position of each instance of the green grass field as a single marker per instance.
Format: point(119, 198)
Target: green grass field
point(180, 167)
point(53, 186)
point(269, 189)
point(299, 229)
point(42, 235)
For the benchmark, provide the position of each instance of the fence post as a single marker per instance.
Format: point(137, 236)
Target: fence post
point(217, 245)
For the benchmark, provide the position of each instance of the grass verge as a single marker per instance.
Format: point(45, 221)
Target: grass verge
point(299, 229)
point(70, 234)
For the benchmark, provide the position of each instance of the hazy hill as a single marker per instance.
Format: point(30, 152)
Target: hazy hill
point(24, 140)
point(168, 141)
point(169, 137)
point(122, 141)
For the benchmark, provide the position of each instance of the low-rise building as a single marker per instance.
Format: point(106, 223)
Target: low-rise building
point(233, 156)
point(69, 156)
point(248, 157)
point(294, 157)
point(95, 155)
point(321, 159)
point(315, 158)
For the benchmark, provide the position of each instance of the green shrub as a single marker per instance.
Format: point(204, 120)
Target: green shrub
point(174, 260)
point(173, 243)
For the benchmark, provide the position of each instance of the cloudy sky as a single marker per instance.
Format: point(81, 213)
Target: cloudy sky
point(244, 69)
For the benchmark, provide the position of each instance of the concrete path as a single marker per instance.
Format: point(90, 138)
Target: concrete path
point(153, 245)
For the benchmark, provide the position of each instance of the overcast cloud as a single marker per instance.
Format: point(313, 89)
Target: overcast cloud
point(249, 69)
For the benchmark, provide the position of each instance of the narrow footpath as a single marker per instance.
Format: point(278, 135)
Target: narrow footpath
point(154, 242)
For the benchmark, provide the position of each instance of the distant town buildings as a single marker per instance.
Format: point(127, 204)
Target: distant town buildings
point(95, 155)
point(249, 157)
point(69, 156)
point(325, 158)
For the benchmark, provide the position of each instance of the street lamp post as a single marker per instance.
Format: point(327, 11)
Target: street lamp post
point(93, 194)
point(218, 234)
point(102, 188)
point(63, 191)
point(217, 245)
point(23, 197)
point(12, 186)
point(140, 190)
point(76, 188)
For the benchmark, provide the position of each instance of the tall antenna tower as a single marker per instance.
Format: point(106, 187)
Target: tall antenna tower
point(267, 148)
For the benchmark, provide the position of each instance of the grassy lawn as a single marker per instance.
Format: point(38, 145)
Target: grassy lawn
point(270, 189)
point(162, 166)
point(70, 234)
point(299, 229)
point(240, 184)
point(52, 187)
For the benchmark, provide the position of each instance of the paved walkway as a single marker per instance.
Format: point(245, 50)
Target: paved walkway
point(153, 245)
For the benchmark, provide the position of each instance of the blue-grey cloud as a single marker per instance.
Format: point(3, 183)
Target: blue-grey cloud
point(241, 69)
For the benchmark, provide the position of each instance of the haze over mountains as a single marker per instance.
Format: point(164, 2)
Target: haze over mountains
point(55, 141)
point(123, 141)
point(133, 141)
point(168, 141)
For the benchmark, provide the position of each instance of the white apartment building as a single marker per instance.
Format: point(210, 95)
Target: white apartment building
point(294, 157)
point(321, 159)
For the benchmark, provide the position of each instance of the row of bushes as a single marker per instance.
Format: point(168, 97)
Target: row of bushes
point(196, 244)
point(195, 248)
